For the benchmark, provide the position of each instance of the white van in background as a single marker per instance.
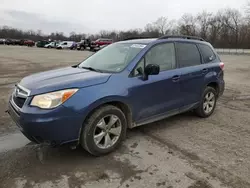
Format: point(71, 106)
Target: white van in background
point(51, 45)
point(66, 45)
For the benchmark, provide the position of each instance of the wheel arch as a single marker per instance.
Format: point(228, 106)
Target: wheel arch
point(121, 104)
point(214, 85)
point(118, 102)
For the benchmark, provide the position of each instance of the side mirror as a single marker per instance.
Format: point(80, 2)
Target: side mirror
point(151, 69)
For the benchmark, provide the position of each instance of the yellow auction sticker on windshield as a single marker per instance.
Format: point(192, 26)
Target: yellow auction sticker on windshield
point(138, 46)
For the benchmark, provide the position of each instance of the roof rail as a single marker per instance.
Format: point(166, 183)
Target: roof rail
point(132, 38)
point(182, 37)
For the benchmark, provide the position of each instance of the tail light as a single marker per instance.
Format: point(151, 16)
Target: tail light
point(222, 65)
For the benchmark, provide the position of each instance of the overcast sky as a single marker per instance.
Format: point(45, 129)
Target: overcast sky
point(91, 16)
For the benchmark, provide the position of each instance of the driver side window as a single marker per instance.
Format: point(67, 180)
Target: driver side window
point(161, 54)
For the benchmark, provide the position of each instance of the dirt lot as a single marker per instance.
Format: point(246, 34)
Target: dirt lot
point(180, 152)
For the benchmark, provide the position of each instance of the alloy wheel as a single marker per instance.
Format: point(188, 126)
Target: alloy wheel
point(209, 102)
point(107, 131)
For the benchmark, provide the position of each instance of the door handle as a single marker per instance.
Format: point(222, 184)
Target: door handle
point(204, 71)
point(176, 78)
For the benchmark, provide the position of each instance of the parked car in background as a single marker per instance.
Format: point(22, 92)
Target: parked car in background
point(9, 41)
point(15, 42)
point(29, 43)
point(66, 45)
point(124, 85)
point(51, 45)
point(2, 41)
point(21, 42)
point(42, 43)
point(74, 46)
point(95, 45)
point(83, 44)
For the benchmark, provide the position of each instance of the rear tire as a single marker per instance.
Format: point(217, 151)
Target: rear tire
point(104, 130)
point(208, 103)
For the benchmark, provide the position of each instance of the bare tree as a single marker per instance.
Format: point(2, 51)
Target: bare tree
point(215, 29)
point(163, 25)
point(203, 21)
point(231, 21)
point(151, 30)
point(187, 24)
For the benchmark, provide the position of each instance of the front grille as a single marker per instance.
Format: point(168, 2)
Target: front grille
point(19, 96)
point(21, 91)
point(19, 101)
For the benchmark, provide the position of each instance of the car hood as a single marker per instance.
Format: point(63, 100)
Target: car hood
point(63, 78)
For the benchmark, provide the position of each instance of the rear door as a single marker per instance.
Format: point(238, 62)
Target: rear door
point(213, 64)
point(192, 73)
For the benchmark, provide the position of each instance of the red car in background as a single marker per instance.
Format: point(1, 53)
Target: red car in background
point(96, 45)
point(29, 43)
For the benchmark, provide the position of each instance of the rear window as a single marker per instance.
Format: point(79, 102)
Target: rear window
point(207, 53)
point(187, 54)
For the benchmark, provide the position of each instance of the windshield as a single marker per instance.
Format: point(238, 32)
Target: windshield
point(113, 58)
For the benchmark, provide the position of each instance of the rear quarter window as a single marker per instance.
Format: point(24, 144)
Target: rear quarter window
point(187, 54)
point(207, 53)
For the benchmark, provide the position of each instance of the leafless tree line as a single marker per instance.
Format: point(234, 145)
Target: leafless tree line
point(228, 28)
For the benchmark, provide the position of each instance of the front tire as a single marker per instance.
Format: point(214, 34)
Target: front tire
point(104, 130)
point(208, 103)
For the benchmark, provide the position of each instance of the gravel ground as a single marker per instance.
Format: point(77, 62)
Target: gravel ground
point(183, 151)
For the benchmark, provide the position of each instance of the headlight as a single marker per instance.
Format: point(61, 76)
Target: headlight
point(53, 99)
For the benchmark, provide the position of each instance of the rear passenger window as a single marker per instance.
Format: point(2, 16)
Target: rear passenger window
point(207, 53)
point(188, 54)
point(162, 55)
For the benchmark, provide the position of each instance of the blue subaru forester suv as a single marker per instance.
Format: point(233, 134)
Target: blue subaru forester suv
point(124, 85)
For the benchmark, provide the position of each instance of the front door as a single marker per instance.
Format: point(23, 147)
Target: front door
point(159, 94)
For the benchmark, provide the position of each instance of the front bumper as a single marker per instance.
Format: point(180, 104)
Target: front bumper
point(53, 127)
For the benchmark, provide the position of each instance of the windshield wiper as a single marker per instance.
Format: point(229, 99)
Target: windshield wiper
point(92, 69)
